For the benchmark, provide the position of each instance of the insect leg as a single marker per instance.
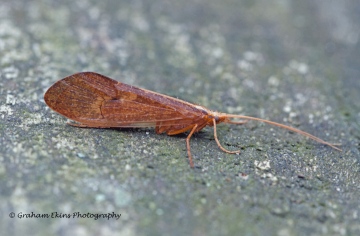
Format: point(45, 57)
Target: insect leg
point(218, 143)
point(188, 145)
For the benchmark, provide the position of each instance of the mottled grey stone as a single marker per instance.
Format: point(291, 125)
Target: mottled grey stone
point(294, 62)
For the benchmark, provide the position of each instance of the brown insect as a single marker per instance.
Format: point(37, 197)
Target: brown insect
point(96, 101)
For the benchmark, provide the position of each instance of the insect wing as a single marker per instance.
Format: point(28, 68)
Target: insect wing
point(80, 96)
point(98, 101)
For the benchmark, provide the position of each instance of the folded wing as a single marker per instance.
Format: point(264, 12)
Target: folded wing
point(98, 101)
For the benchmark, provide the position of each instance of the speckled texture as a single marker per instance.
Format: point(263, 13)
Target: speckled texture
point(295, 62)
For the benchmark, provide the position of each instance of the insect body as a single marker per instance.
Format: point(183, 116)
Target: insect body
point(96, 101)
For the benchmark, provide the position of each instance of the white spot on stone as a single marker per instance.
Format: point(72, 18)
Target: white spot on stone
point(273, 81)
point(262, 165)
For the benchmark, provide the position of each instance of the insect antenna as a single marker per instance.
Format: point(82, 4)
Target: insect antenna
point(279, 125)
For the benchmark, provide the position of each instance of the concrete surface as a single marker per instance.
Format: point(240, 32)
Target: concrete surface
point(295, 62)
